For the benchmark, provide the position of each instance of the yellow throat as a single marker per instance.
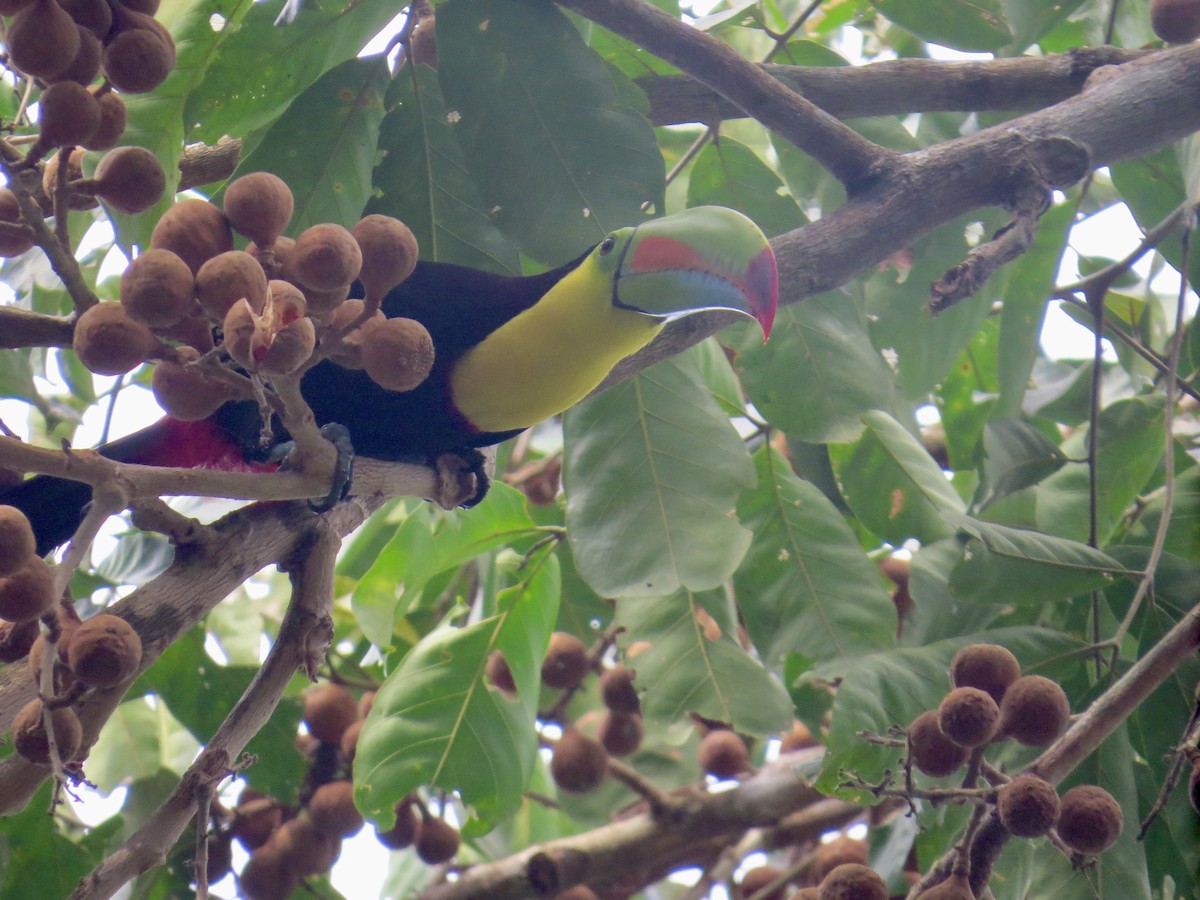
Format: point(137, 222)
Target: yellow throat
point(550, 356)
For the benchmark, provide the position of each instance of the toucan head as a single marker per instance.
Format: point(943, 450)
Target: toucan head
point(705, 258)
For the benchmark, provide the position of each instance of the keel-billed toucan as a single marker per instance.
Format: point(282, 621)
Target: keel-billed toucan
point(509, 352)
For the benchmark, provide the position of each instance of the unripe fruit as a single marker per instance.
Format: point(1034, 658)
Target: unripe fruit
point(1089, 819)
point(17, 543)
point(347, 352)
point(274, 259)
point(968, 716)
point(67, 115)
point(758, 878)
point(326, 257)
point(84, 68)
point(29, 733)
point(617, 690)
point(138, 60)
point(114, 116)
point(723, 754)
point(254, 828)
point(105, 651)
point(956, 887)
point(157, 288)
point(16, 639)
point(259, 206)
point(499, 673)
point(407, 829)
point(227, 278)
point(109, 342)
point(438, 842)
point(10, 211)
point(1175, 21)
point(932, 752)
point(328, 711)
point(852, 881)
point(193, 229)
point(42, 39)
point(840, 851)
point(187, 393)
point(68, 624)
point(266, 876)
point(397, 353)
point(389, 253)
point(988, 667)
point(94, 15)
point(578, 763)
point(323, 304)
point(1028, 806)
point(1034, 711)
point(195, 331)
point(621, 733)
point(130, 180)
point(332, 809)
point(305, 850)
point(566, 661)
point(27, 592)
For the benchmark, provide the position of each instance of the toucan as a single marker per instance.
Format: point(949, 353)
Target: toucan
point(510, 351)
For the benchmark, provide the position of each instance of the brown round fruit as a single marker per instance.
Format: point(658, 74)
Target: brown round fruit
point(109, 341)
point(621, 733)
point(852, 881)
point(227, 278)
point(266, 876)
point(105, 651)
point(579, 892)
point(799, 738)
point(968, 716)
point(130, 180)
point(94, 15)
point(138, 60)
point(1089, 819)
point(956, 887)
point(219, 854)
point(67, 115)
point(259, 206)
point(349, 741)
point(16, 639)
point(578, 763)
point(758, 878)
point(290, 348)
point(1028, 806)
point(838, 852)
point(499, 673)
point(566, 661)
point(305, 850)
point(328, 711)
point(187, 393)
point(326, 257)
point(1034, 711)
point(27, 592)
point(407, 829)
point(255, 818)
point(988, 667)
point(158, 288)
point(42, 39)
point(17, 543)
point(193, 229)
point(438, 842)
point(807, 893)
point(617, 690)
point(932, 752)
point(86, 65)
point(723, 754)
point(29, 733)
point(77, 199)
point(10, 211)
point(397, 353)
point(332, 809)
point(114, 116)
point(389, 253)
point(1175, 21)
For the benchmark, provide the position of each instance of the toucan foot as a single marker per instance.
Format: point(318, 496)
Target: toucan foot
point(343, 468)
point(462, 473)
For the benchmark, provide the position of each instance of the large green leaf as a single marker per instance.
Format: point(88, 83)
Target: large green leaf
point(728, 173)
point(422, 179)
point(895, 487)
point(136, 742)
point(805, 586)
point(961, 24)
point(437, 721)
point(1016, 455)
point(819, 373)
point(37, 859)
point(323, 146)
point(559, 160)
point(259, 68)
point(684, 648)
point(652, 470)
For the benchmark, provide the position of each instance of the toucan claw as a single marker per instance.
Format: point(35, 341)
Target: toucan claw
point(461, 474)
point(343, 469)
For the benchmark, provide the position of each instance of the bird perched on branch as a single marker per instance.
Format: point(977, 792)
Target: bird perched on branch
point(509, 353)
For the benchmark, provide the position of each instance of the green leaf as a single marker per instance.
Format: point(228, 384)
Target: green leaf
point(895, 487)
point(428, 543)
point(1013, 565)
point(136, 742)
point(960, 24)
point(684, 649)
point(422, 179)
point(1016, 455)
point(819, 350)
point(36, 858)
point(329, 170)
point(258, 68)
point(559, 160)
point(728, 173)
point(437, 721)
point(805, 586)
point(652, 470)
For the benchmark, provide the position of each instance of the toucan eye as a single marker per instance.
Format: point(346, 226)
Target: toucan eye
point(607, 245)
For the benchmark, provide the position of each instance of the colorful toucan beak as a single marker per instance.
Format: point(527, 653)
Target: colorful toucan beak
point(705, 258)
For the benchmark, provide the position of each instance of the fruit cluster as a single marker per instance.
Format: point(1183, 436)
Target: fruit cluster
point(274, 303)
